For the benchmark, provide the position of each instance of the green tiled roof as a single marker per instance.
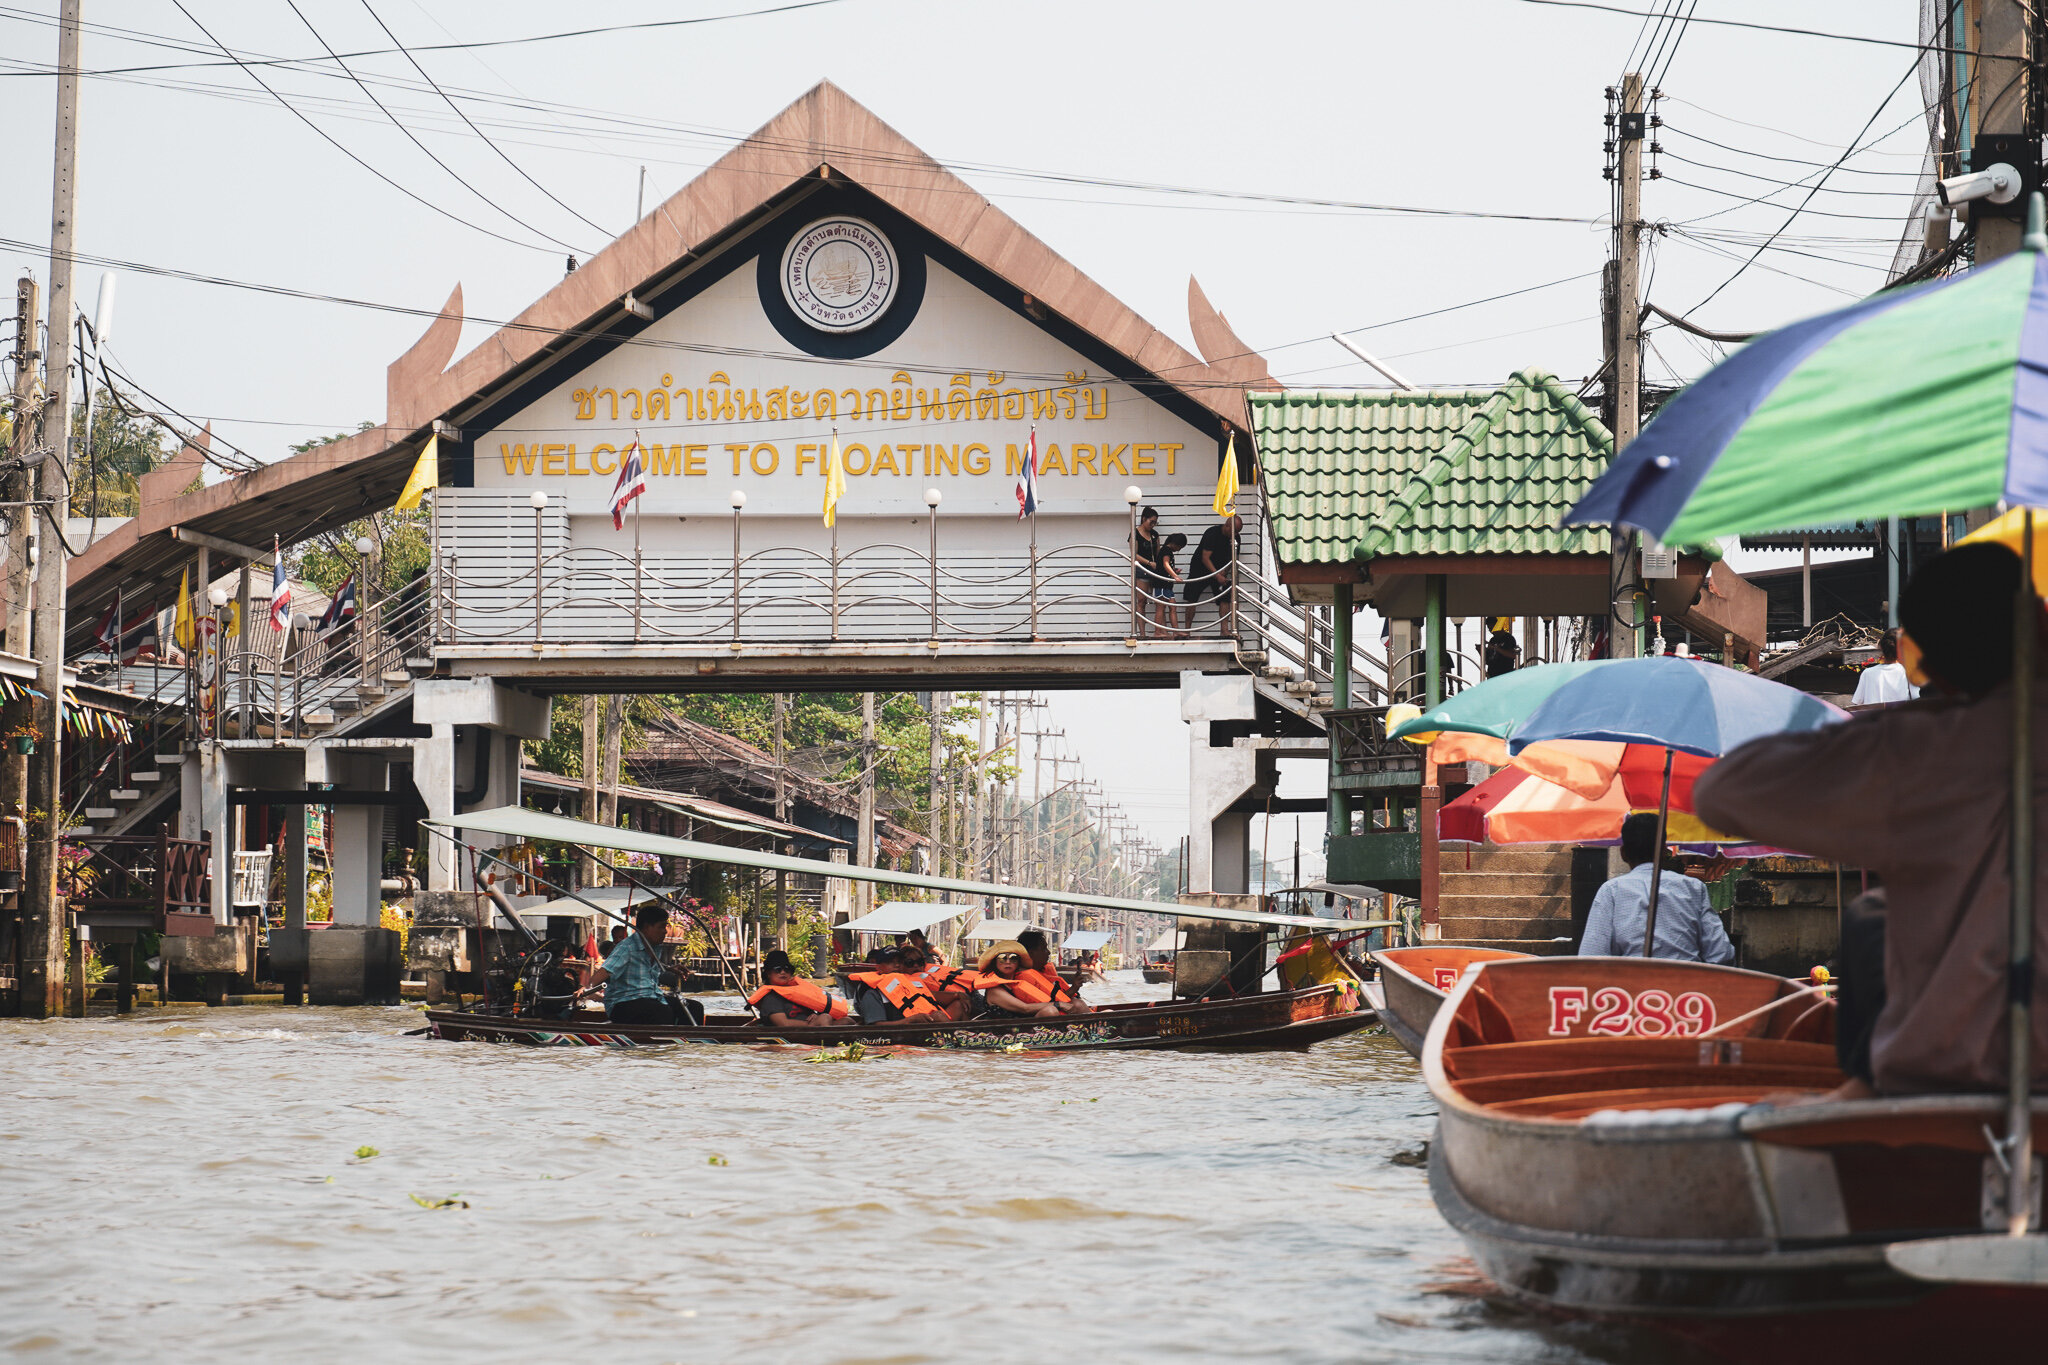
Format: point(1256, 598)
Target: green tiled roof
point(1352, 475)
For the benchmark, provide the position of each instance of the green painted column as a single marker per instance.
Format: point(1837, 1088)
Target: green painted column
point(1340, 695)
point(1433, 638)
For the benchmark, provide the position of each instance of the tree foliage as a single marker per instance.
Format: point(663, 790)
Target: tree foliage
point(106, 474)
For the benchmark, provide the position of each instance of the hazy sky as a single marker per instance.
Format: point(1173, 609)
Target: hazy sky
point(1088, 122)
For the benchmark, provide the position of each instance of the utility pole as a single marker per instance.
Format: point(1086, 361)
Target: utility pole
point(590, 808)
point(864, 892)
point(782, 814)
point(974, 793)
point(19, 488)
point(2000, 99)
point(614, 752)
point(1625, 342)
point(43, 928)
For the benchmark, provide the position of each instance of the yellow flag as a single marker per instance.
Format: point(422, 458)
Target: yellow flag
point(1226, 481)
point(184, 630)
point(835, 482)
point(426, 473)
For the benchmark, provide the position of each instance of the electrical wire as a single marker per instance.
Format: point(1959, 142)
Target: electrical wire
point(1764, 28)
point(458, 47)
point(414, 62)
point(412, 137)
point(331, 141)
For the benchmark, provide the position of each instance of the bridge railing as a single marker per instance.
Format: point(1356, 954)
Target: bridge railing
point(884, 592)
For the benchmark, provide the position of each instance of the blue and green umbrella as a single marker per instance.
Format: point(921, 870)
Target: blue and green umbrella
point(1913, 402)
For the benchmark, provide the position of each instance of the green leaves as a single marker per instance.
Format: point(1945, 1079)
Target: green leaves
point(367, 1153)
point(453, 1201)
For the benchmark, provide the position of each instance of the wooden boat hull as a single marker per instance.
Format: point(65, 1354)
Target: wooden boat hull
point(1159, 976)
point(1638, 1173)
point(1278, 1020)
point(1415, 982)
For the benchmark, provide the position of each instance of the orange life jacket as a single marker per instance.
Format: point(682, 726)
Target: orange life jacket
point(1050, 981)
point(1025, 985)
point(803, 994)
point(940, 982)
point(903, 991)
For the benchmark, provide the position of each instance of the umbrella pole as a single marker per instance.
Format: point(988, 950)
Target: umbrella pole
point(1657, 862)
point(2019, 1127)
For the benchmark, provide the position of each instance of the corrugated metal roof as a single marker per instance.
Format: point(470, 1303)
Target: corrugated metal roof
point(1491, 471)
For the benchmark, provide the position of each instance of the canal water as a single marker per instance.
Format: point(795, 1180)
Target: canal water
point(185, 1186)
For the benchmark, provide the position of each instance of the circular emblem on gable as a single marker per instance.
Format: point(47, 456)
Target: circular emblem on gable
point(839, 274)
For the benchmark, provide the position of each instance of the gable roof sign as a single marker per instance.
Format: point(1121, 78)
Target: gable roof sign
point(824, 136)
point(1353, 477)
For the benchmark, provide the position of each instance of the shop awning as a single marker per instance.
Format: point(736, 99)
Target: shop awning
point(995, 930)
point(617, 899)
point(900, 917)
point(1084, 941)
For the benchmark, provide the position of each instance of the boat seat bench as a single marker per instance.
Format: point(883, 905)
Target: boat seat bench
point(1582, 1054)
point(1578, 1106)
point(1508, 1091)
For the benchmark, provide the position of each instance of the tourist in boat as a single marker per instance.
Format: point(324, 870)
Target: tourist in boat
point(1046, 972)
point(1091, 968)
point(631, 975)
point(887, 987)
point(1919, 794)
point(1688, 930)
point(1006, 989)
point(916, 939)
point(949, 987)
point(788, 1001)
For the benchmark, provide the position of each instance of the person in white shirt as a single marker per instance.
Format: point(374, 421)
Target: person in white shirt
point(1884, 682)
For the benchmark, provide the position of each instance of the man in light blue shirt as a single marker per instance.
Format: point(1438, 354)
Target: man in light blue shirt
point(1687, 927)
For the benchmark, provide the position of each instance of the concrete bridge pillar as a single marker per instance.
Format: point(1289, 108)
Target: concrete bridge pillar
point(470, 761)
point(1220, 773)
point(202, 809)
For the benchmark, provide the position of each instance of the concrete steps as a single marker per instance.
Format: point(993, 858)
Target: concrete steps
point(1515, 898)
point(1535, 947)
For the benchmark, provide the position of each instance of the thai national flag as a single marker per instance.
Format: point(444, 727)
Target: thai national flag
point(1027, 481)
point(632, 483)
point(280, 596)
point(342, 607)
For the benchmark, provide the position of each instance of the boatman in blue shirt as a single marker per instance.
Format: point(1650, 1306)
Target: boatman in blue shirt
point(631, 974)
point(1687, 927)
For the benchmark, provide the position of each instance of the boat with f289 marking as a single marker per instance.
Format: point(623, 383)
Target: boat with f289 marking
point(1617, 1136)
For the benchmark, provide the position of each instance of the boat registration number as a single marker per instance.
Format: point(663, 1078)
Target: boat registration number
point(1178, 1026)
point(1614, 1012)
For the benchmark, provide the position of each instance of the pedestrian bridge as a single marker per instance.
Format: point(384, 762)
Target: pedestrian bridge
point(958, 600)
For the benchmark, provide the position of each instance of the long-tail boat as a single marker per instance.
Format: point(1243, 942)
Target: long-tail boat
point(1319, 997)
point(1415, 981)
point(1621, 1136)
point(1268, 1020)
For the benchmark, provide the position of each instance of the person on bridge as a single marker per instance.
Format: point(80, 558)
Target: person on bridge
point(1212, 571)
point(788, 1001)
point(631, 974)
point(1046, 973)
point(1687, 927)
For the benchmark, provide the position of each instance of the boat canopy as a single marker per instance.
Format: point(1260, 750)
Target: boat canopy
point(1168, 942)
point(616, 899)
point(1084, 941)
point(900, 917)
point(995, 930)
point(512, 822)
